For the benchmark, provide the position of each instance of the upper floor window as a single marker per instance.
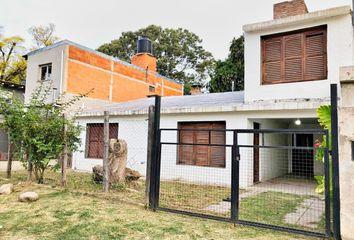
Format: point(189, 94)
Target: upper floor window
point(46, 71)
point(294, 57)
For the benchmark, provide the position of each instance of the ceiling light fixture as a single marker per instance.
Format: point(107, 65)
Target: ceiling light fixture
point(298, 122)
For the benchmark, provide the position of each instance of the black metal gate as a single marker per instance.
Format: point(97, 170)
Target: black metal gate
point(284, 198)
point(288, 196)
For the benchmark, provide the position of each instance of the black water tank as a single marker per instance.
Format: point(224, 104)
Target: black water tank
point(144, 45)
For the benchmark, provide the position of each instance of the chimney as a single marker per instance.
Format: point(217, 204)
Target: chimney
point(143, 57)
point(196, 89)
point(290, 8)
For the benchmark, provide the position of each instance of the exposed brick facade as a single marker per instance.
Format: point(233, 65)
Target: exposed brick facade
point(289, 8)
point(113, 80)
point(145, 60)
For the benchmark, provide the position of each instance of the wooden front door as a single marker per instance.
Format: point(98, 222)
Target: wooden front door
point(256, 154)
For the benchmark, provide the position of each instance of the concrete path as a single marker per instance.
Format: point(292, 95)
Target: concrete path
point(308, 214)
point(283, 185)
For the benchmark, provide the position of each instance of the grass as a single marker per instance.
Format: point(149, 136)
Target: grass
point(187, 196)
point(261, 208)
point(82, 212)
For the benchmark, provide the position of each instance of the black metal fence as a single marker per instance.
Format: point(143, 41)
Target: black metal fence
point(279, 179)
point(269, 183)
point(218, 174)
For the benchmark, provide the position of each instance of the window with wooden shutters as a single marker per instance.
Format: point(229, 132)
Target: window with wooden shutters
point(94, 146)
point(294, 57)
point(200, 155)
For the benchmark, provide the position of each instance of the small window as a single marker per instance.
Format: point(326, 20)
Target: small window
point(94, 131)
point(152, 88)
point(46, 72)
point(202, 155)
point(295, 56)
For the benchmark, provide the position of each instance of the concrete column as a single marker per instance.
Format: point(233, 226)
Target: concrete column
point(346, 160)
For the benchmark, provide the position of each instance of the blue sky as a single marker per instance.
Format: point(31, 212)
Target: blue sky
point(93, 22)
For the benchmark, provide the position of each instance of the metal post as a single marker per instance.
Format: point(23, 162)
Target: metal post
point(150, 145)
point(106, 152)
point(65, 154)
point(155, 152)
point(327, 188)
point(335, 163)
point(158, 145)
point(235, 179)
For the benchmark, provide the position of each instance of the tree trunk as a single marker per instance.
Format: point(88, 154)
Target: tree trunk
point(9, 160)
point(29, 169)
point(65, 157)
point(118, 151)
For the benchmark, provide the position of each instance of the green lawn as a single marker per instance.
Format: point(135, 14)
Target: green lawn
point(83, 212)
point(192, 197)
point(270, 207)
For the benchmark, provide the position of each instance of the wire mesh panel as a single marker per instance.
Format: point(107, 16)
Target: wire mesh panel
point(195, 171)
point(284, 184)
point(278, 181)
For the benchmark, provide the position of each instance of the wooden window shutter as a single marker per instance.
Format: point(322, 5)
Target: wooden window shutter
point(316, 55)
point(113, 130)
point(293, 58)
point(202, 153)
point(272, 64)
point(296, 56)
point(95, 138)
point(95, 142)
point(218, 154)
point(185, 152)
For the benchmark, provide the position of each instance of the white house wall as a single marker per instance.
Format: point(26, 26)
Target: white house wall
point(133, 129)
point(339, 53)
point(54, 56)
point(272, 162)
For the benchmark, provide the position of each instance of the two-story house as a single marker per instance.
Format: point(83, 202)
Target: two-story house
point(73, 69)
point(290, 62)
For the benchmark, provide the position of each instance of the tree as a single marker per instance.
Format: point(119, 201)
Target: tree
point(324, 119)
point(230, 70)
point(12, 65)
point(179, 52)
point(43, 36)
point(37, 129)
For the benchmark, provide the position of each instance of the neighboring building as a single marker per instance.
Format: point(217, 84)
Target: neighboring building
point(74, 69)
point(290, 63)
point(346, 151)
point(8, 89)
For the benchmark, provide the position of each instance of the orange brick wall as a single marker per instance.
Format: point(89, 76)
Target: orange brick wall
point(145, 60)
point(82, 79)
point(89, 58)
point(87, 70)
point(122, 89)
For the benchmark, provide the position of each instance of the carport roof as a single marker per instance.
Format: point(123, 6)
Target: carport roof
point(205, 103)
point(171, 103)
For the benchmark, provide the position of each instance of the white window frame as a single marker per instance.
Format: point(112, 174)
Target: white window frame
point(47, 76)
